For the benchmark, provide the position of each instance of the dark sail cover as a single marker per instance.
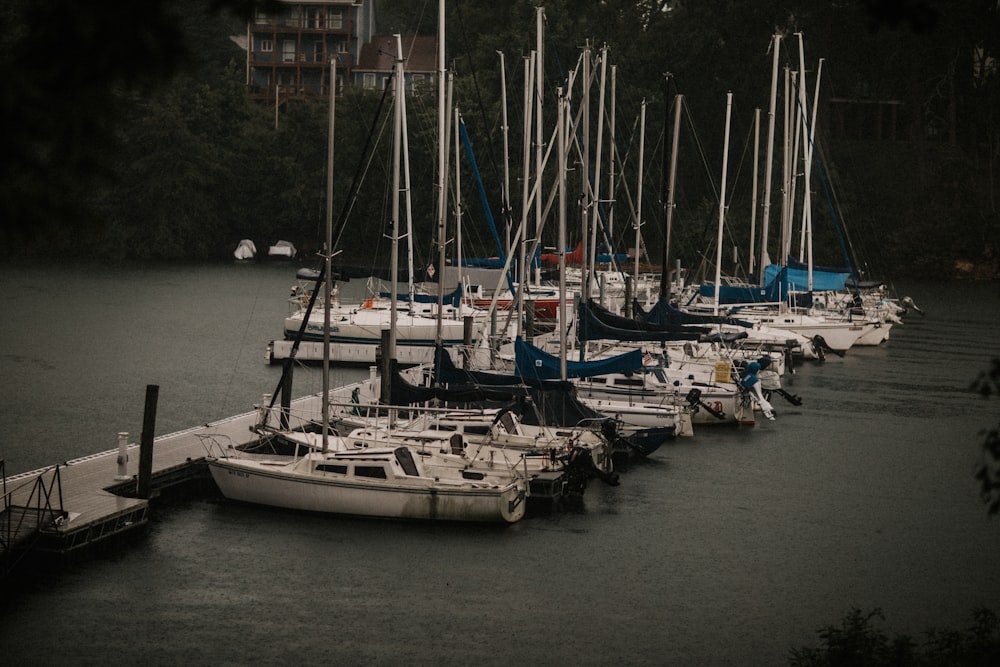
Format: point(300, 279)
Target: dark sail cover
point(664, 312)
point(597, 323)
point(532, 362)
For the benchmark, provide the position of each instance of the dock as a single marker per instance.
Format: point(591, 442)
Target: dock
point(73, 506)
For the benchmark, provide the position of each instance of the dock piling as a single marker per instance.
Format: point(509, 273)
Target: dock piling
point(146, 443)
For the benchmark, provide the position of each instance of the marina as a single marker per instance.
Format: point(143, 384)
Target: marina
point(863, 496)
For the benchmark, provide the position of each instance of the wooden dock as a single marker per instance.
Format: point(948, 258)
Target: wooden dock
point(83, 502)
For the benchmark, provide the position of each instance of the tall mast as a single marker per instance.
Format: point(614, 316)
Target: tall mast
point(523, 261)
point(442, 194)
point(638, 193)
point(753, 195)
point(765, 260)
point(665, 281)
point(722, 203)
point(327, 257)
point(506, 154)
point(561, 250)
point(539, 97)
point(397, 131)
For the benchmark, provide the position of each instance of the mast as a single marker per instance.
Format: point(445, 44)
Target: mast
point(506, 153)
point(765, 260)
point(397, 131)
point(665, 281)
point(327, 257)
point(595, 199)
point(638, 193)
point(442, 194)
point(612, 155)
point(722, 204)
point(523, 263)
point(585, 186)
point(753, 192)
point(561, 250)
point(408, 199)
point(539, 97)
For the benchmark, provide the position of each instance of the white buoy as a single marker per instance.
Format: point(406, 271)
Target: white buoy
point(122, 475)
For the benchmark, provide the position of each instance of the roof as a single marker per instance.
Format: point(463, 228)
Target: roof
point(419, 52)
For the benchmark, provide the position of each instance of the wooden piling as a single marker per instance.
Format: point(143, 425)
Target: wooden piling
point(146, 443)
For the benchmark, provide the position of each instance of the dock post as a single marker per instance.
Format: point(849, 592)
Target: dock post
point(122, 475)
point(146, 443)
point(286, 399)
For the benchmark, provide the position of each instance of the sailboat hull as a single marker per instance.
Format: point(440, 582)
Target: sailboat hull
point(288, 486)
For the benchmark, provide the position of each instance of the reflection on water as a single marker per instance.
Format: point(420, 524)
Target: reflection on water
point(727, 548)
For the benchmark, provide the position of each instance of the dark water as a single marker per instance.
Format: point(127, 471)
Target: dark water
point(728, 548)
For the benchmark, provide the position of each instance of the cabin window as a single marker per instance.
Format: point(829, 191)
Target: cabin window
point(628, 382)
point(405, 459)
point(477, 430)
point(468, 474)
point(332, 467)
point(373, 472)
point(507, 421)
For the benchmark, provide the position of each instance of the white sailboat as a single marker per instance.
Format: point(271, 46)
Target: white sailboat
point(326, 474)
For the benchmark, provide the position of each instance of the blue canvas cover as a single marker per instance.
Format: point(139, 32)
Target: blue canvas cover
point(532, 362)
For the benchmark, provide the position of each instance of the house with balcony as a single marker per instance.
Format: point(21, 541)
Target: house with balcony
point(289, 51)
point(378, 59)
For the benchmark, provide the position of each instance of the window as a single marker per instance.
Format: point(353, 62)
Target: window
point(373, 472)
point(331, 467)
point(369, 80)
point(335, 19)
point(266, 46)
point(342, 46)
point(288, 50)
point(314, 19)
point(262, 18)
point(318, 51)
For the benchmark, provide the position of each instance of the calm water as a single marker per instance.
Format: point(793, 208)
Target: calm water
point(728, 548)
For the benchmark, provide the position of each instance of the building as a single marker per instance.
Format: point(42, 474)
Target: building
point(289, 52)
point(378, 58)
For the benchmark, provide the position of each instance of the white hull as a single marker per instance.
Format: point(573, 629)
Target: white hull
point(721, 399)
point(302, 485)
point(643, 415)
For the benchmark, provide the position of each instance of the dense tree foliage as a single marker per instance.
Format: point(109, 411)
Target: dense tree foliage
point(140, 143)
point(858, 640)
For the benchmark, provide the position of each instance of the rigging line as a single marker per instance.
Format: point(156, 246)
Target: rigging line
point(480, 105)
point(362, 170)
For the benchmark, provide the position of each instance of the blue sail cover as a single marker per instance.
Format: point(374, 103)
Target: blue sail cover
point(532, 362)
point(454, 298)
point(772, 292)
point(797, 279)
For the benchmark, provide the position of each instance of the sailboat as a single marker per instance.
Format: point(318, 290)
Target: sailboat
point(430, 480)
point(355, 331)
